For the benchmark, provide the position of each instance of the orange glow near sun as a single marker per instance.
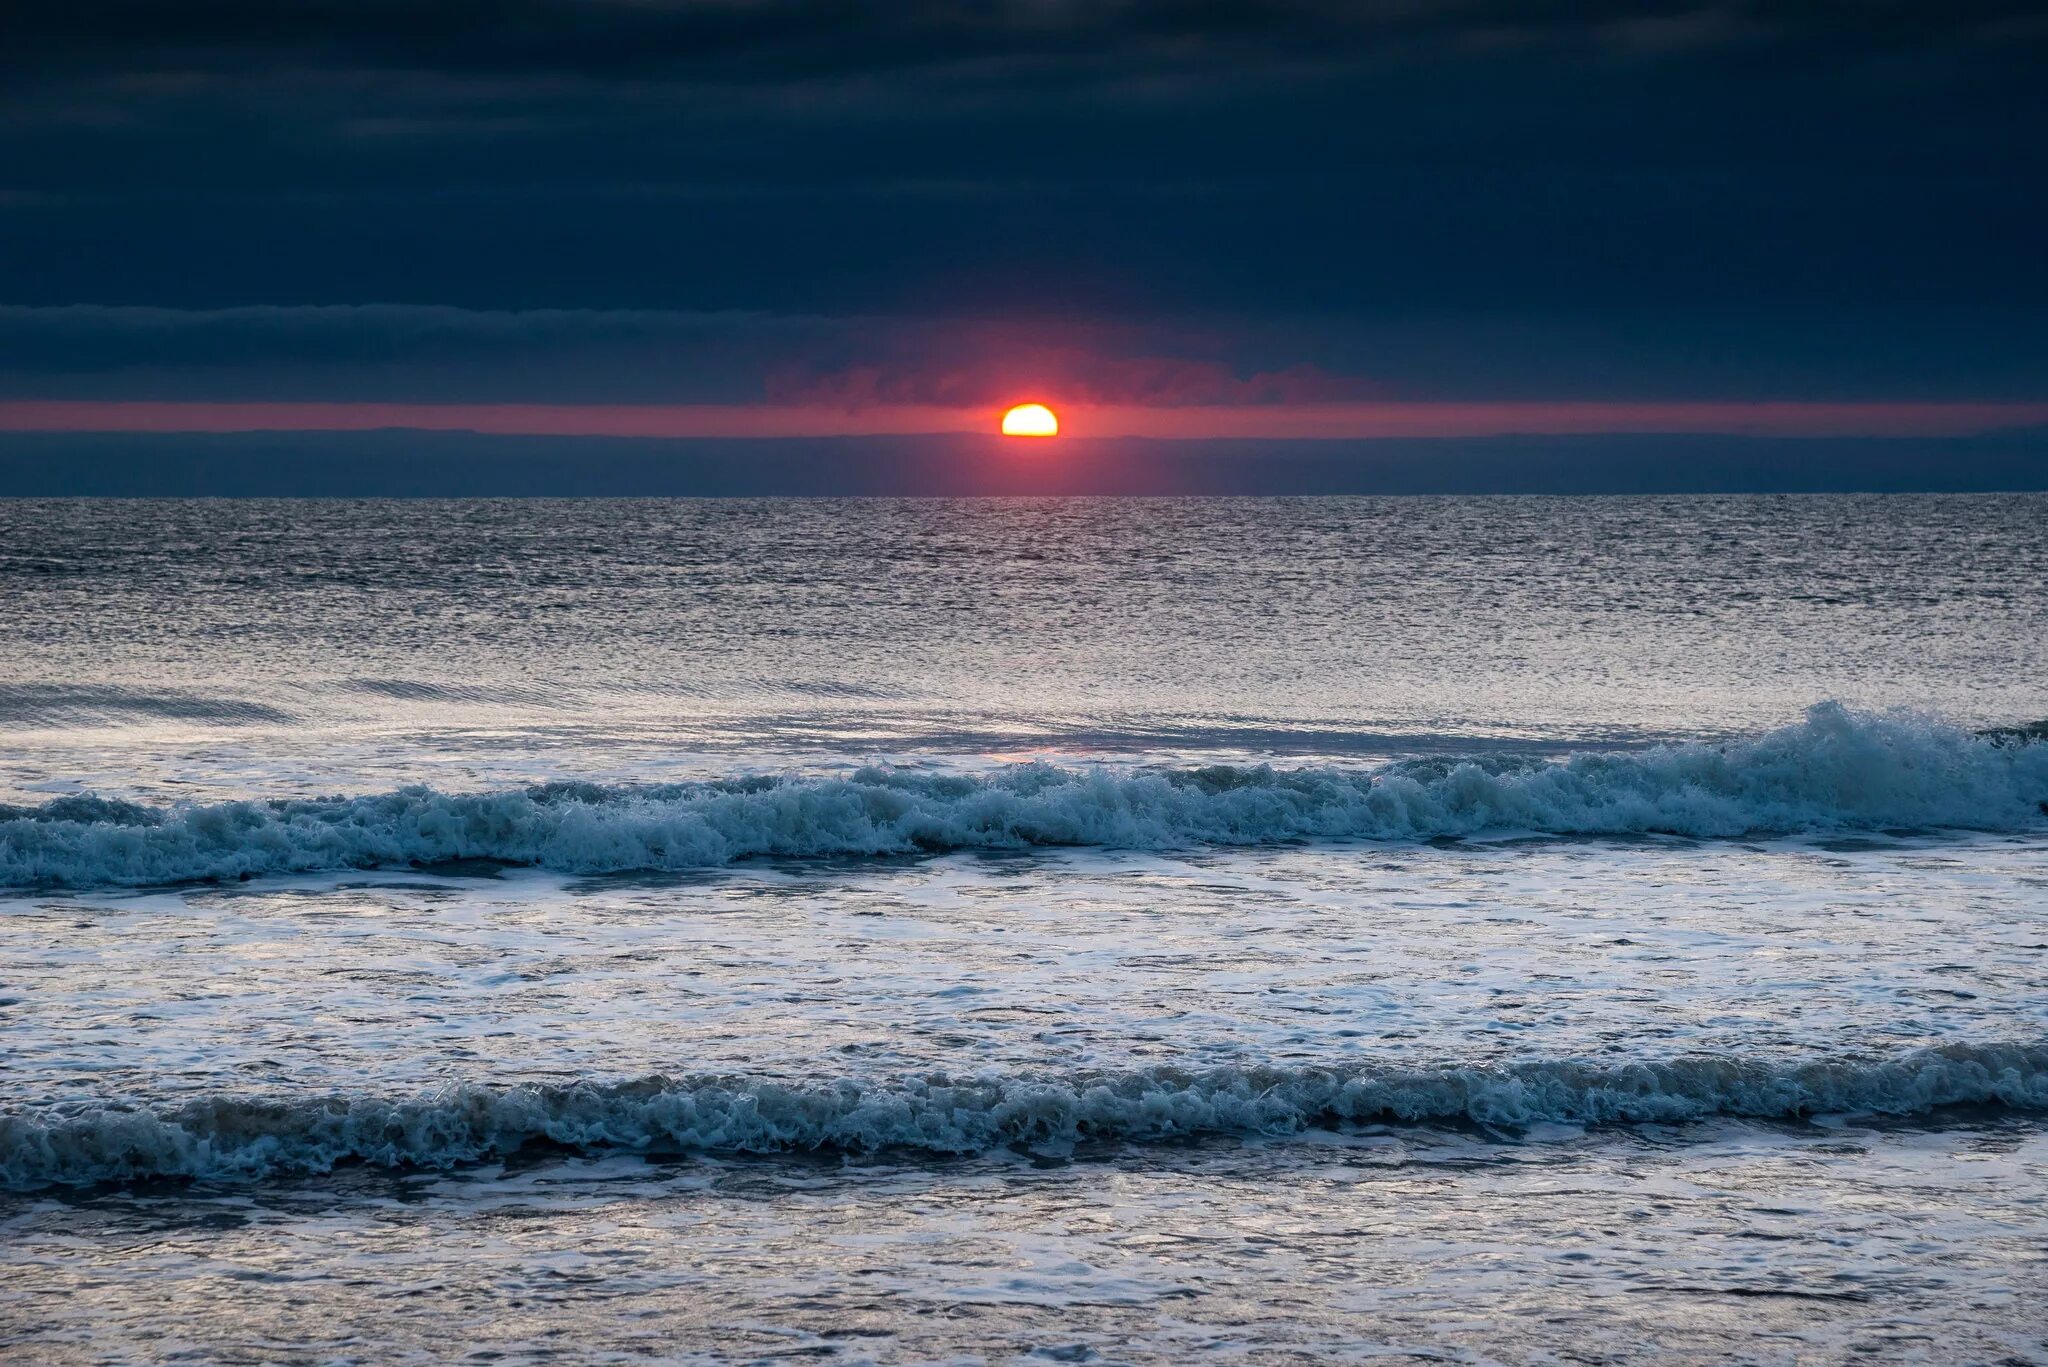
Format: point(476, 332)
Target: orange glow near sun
point(1030, 420)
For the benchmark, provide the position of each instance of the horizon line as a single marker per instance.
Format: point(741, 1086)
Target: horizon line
point(1362, 420)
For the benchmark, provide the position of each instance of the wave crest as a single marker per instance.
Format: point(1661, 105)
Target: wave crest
point(1835, 770)
point(232, 1138)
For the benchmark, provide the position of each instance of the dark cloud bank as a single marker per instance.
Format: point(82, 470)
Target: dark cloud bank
point(1167, 200)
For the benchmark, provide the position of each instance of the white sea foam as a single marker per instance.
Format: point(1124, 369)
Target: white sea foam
point(240, 1138)
point(1835, 770)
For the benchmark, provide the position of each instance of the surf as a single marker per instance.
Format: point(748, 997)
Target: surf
point(1836, 770)
point(230, 1137)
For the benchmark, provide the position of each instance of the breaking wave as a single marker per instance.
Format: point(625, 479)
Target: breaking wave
point(1835, 770)
point(241, 1138)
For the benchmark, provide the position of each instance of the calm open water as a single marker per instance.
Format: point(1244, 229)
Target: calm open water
point(1479, 930)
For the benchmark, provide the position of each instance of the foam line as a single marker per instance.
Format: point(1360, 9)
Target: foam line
point(1835, 770)
point(240, 1138)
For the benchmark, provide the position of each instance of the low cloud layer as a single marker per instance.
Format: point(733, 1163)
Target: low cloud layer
point(439, 354)
point(398, 352)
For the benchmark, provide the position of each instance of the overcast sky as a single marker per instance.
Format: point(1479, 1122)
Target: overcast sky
point(1150, 204)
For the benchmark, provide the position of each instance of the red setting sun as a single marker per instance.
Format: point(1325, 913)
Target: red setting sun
point(1030, 420)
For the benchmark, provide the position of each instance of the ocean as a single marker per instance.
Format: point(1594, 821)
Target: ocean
point(1483, 930)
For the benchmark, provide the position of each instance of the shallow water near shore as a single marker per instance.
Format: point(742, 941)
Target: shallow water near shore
point(1726, 1242)
point(1254, 930)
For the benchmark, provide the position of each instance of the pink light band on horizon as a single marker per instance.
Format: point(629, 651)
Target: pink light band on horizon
point(1356, 421)
point(1385, 420)
point(509, 419)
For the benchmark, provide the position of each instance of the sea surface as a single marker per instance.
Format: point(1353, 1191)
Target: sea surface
point(1241, 931)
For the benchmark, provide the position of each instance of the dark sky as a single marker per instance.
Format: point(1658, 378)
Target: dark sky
point(1213, 202)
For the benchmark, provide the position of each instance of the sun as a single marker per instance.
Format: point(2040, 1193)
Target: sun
point(1030, 420)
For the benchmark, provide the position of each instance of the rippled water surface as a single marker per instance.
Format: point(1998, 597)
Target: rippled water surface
point(1505, 930)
